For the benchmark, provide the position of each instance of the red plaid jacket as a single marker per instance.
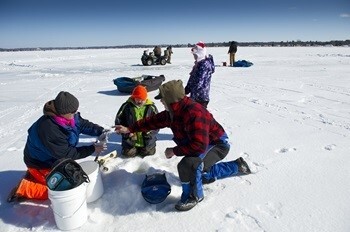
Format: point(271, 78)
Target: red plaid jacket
point(194, 127)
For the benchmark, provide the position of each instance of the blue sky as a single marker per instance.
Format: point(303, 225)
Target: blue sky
point(61, 23)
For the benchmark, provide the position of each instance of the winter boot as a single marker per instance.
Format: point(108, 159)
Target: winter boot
point(188, 201)
point(243, 167)
point(187, 205)
point(14, 196)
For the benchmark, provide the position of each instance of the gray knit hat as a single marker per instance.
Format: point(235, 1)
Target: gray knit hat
point(66, 103)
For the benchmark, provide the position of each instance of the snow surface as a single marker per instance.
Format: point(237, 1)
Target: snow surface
point(288, 115)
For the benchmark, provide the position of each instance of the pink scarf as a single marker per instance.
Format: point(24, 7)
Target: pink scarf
point(64, 122)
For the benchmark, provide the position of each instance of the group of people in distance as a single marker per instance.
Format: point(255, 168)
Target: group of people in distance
point(200, 140)
point(157, 51)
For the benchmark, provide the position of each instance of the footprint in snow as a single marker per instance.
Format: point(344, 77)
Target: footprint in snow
point(256, 167)
point(12, 149)
point(214, 188)
point(241, 221)
point(330, 147)
point(272, 209)
point(285, 150)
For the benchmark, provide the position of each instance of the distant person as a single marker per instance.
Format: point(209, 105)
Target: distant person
point(232, 51)
point(198, 85)
point(200, 140)
point(145, 53)
point(137, 107)
point(53, 136)
point(168, 52)
point(157, 52)
point(166, 55)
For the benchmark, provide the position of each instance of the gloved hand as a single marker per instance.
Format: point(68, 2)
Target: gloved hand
point(104, 136)
point(100, 147)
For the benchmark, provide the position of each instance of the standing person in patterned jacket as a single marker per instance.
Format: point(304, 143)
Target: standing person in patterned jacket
point(55, 135)
point(137, 107)
point(198, 85)
point(199, 138)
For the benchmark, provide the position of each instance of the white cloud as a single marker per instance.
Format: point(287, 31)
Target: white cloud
point(344, 15)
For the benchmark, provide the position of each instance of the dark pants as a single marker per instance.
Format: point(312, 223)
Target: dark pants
point(188, 165)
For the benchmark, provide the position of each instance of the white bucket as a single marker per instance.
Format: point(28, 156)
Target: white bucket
point(95, 187)
point(69, 207)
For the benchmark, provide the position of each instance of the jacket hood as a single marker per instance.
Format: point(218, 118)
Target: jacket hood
point(49, 108)
point(171, 92)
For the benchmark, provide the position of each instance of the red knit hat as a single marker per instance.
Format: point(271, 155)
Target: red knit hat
point(139, 92)
point(201, 44)
point(199, 50)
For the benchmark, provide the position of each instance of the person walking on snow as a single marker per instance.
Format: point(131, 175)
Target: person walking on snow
point(198, 85)
point(137, 107)
point(53, 136)
point(199, 138)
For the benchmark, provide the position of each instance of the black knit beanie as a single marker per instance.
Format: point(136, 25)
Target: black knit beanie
point(66, 103)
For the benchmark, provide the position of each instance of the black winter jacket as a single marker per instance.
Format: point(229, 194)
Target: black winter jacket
point(48, 141)
point(126, 116)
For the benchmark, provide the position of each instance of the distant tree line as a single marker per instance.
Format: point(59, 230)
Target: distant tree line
point(292, 43)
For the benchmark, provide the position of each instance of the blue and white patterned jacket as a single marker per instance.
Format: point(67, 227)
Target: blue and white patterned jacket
point(198, 85)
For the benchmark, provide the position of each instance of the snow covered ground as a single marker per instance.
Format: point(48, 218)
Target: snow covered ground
point(288, 115)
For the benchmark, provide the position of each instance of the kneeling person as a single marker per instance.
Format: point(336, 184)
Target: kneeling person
point(55, 135)
point(200, 140)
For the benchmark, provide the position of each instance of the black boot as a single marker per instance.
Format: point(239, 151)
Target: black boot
point(13, 196)
point(191, 202)
point(243, 167)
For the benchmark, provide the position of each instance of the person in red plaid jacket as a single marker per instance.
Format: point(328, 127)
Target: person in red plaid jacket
point(199, 138)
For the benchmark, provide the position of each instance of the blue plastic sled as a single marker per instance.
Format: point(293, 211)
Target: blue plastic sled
point(127, 84)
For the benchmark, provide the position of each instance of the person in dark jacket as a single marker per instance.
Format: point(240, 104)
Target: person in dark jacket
point(137, 107)
point(232, 51)
point(157, 51)
point(53, 136)
point(198, 85)
point(199, 138)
